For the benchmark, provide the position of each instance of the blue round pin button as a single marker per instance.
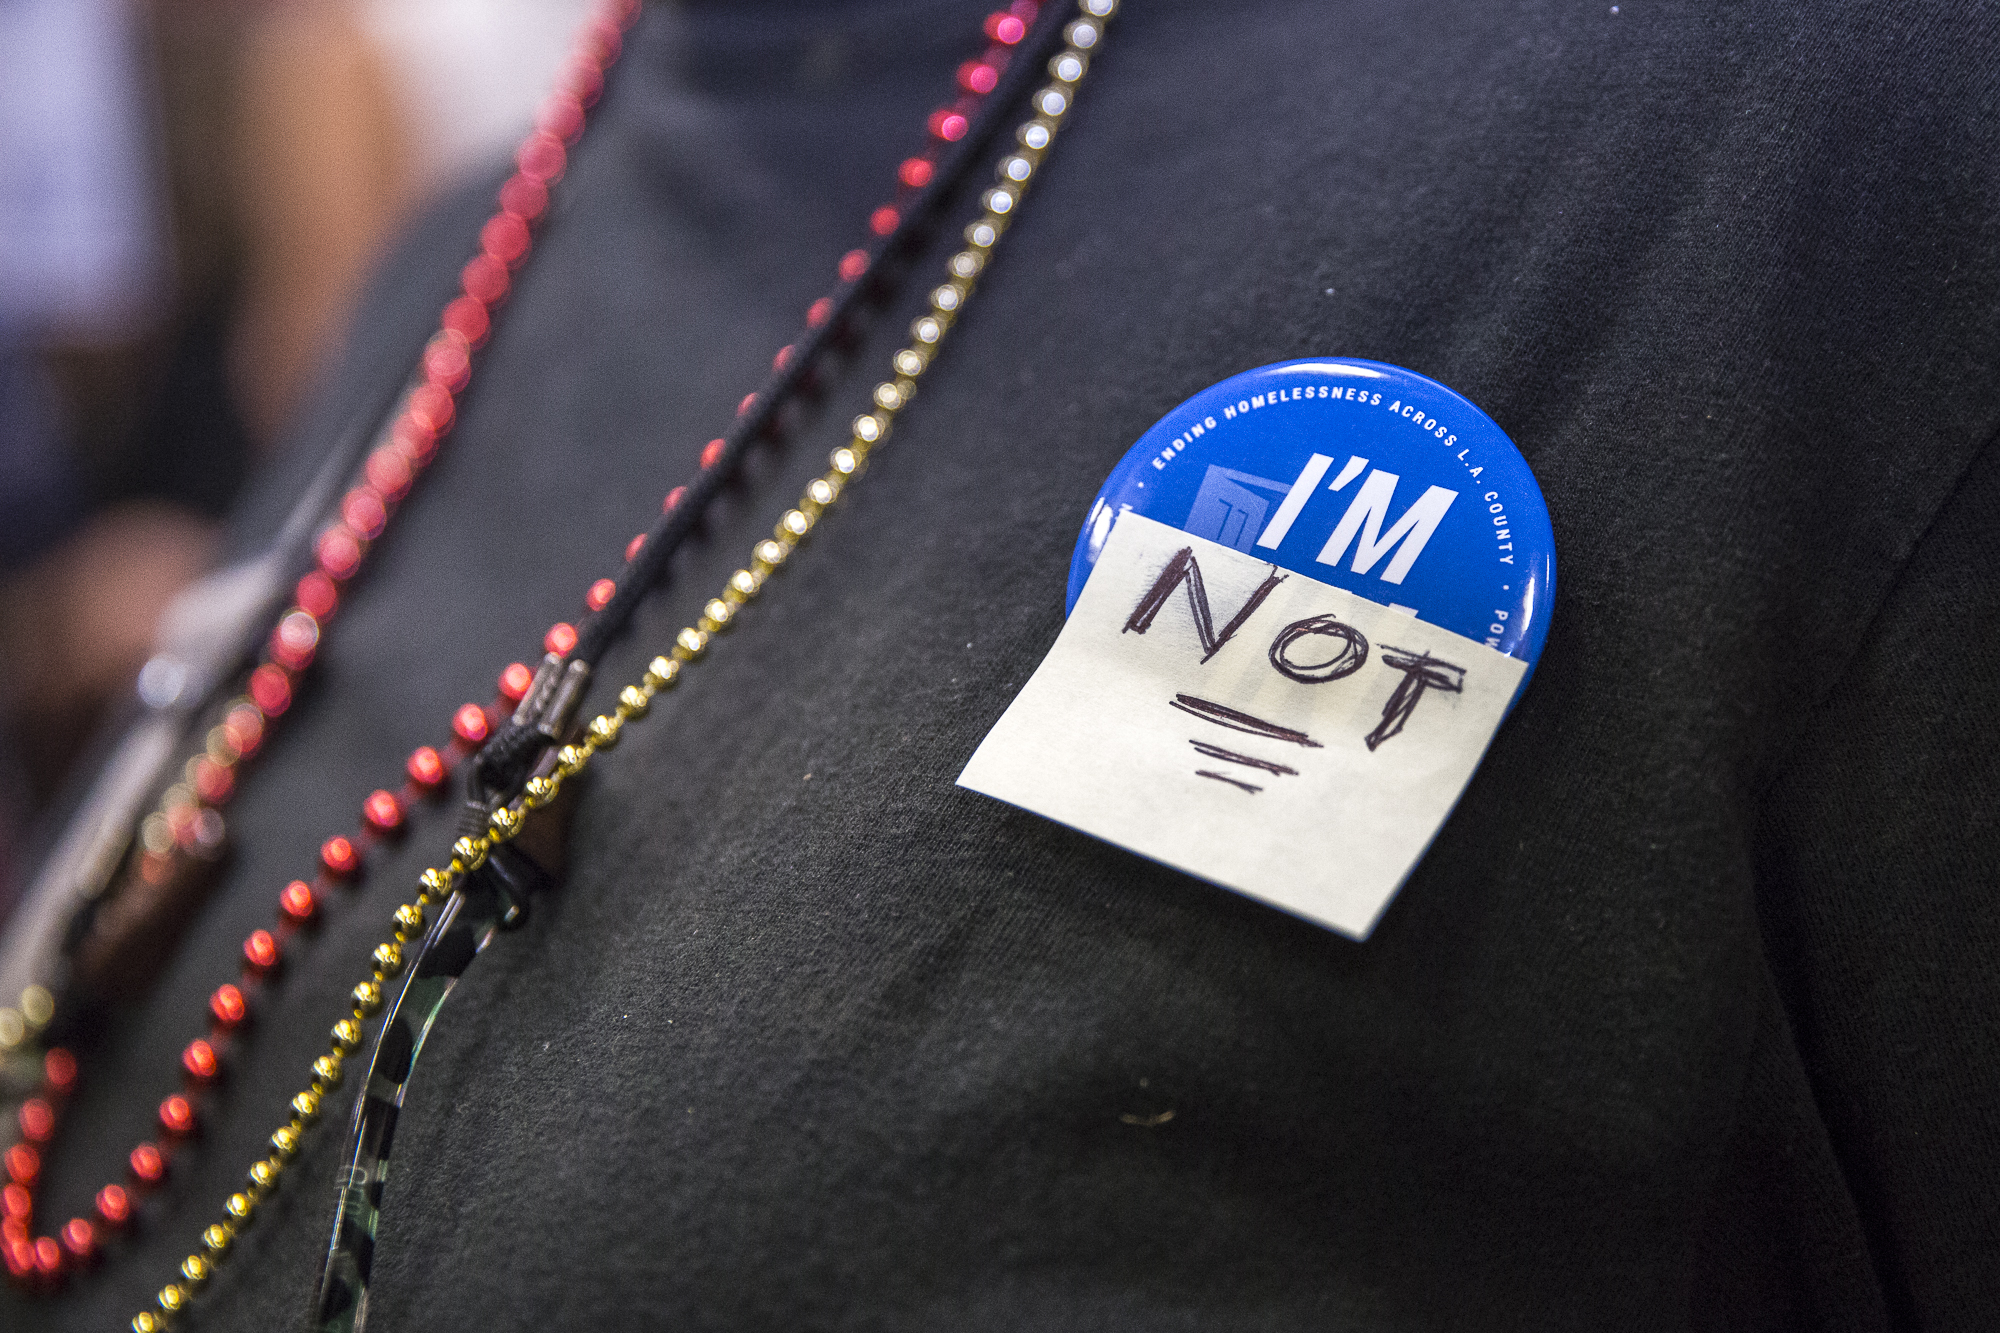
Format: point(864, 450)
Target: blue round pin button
point(1366, 476)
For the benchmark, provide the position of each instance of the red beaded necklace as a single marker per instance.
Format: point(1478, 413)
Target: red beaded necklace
point(388, 475)
point(410, 442)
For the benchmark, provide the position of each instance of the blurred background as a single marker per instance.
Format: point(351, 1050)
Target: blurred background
point(191, 193)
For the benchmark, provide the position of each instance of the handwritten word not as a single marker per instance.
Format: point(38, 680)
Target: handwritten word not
point(1314, 651)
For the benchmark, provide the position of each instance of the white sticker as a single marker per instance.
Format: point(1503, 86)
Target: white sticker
point(1249, 725)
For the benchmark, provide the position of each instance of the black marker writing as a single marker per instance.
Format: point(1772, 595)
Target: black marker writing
point(1183, 567)
point(1222, 715)
point(1204, 773)
point(1351, 656)
point(1249, 761)
point(1421, 672)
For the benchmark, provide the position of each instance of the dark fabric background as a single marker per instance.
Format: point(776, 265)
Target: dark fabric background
point(1687, 1020)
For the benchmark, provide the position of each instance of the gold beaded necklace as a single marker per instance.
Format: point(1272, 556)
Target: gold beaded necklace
point(441, 888)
